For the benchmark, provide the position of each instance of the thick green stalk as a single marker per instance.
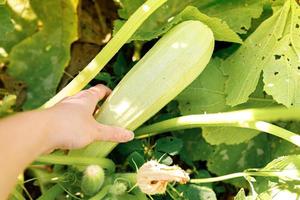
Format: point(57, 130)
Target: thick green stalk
point(77, 160)
point(243, 118)
point(95, 66)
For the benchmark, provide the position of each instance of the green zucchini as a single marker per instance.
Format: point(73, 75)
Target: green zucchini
point(92, 180)
point(170, 66)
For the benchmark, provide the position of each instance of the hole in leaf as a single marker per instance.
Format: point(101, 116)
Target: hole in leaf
point(277, 57)
point(297, 26)
point(262, 58)
point(275, 73)
point(244, 28)
point(290, 44)
point(292, 104)
point(298, 67)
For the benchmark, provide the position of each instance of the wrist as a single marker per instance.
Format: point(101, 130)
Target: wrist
point(42, 120)
point(52, 128)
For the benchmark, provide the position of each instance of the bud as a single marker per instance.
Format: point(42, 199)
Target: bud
point(118, 188)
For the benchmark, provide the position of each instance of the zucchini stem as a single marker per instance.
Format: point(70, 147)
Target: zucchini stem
point(78, 160)
point(219, 178)
point(102, 193)
point(237, 175)
point(243, 118)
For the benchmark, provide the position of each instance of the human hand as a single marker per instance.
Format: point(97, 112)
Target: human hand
point(73, 125)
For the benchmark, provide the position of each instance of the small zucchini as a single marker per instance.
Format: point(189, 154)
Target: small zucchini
point(170, 66)
point(92, 180)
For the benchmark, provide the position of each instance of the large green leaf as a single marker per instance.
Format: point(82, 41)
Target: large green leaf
point(158, 23)
point(222, 32)
point(169, 145)
point(279, 191)
point(227, 135)
point(237, 13)
point(241, 195)
point(195, 192)
point(195, 148)
point(257, 153)
point(276, 4)
point(206, 95)
point(274, 49)
point(281, 72)
point(5, 21)
point(286, 185)
point(236, 158)
point(40, 59)
point(24, 21)
point(170, 14)
point(220, 12)
point(287, 166)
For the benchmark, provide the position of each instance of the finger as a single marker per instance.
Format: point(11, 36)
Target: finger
point(113, 133)
point(94, 94)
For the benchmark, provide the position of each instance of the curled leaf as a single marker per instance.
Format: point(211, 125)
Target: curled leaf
point(153, 177)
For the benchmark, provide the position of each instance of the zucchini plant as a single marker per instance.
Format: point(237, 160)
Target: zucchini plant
point(230, 68)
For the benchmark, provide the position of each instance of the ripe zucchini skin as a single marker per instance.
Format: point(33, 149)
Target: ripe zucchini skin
point(168, 67)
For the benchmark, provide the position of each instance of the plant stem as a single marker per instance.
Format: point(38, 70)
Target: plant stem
point(102, 193)
point(276, 131)
point(112, 47)
point(237, 175)
point(77, 160)
point(243, 119)
point(219, 178)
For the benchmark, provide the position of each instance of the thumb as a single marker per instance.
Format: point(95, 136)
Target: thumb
point(113, 133)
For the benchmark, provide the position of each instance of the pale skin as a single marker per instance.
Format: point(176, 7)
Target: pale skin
point(67, 125)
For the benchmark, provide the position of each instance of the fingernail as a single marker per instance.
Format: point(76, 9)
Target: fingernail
point(130, 135)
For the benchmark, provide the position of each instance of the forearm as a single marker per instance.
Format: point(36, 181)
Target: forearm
point(68, 125)
point(23, 138)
